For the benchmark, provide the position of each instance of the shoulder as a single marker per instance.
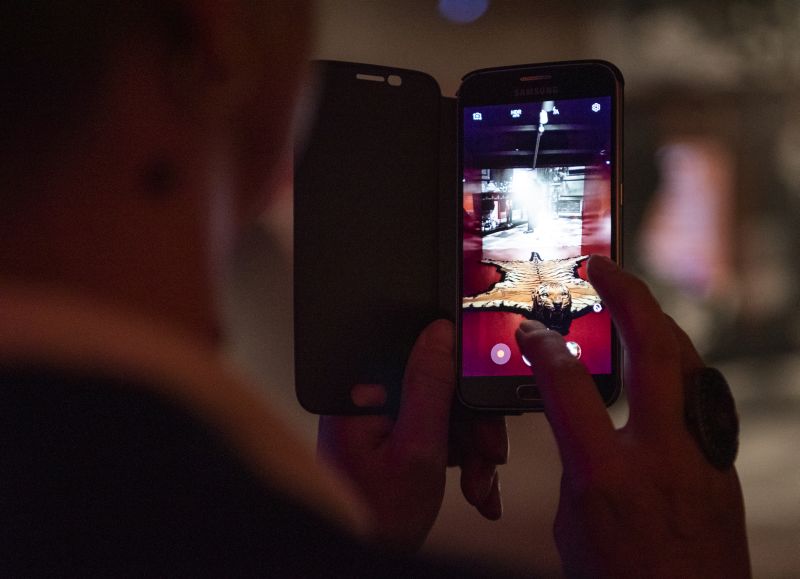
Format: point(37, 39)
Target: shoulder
point(100, 475)
point(103, 477)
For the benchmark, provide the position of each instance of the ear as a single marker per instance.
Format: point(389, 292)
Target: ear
point(238, 44)
point(217, 65)
point(248, 59)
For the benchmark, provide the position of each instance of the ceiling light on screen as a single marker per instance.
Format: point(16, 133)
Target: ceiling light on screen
point(463, 11)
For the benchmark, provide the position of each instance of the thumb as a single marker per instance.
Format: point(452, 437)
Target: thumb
point(423, 420)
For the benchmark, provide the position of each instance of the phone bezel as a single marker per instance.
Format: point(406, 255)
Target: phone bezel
point(573, 79)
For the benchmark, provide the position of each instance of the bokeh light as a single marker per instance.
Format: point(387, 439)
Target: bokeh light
point(463, 11)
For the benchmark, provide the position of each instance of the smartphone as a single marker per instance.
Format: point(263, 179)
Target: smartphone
point(540, 152)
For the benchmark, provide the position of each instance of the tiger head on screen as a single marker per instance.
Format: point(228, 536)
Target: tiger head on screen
point(552, 305)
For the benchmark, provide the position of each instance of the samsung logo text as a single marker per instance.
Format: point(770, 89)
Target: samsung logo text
point(536, 91)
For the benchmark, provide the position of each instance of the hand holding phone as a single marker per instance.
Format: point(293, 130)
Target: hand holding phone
point(399, 464)
point(643, 498)
point(539, 160)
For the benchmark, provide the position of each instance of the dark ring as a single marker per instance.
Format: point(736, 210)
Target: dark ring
point(711, 416)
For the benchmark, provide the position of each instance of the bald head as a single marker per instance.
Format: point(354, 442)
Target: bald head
point(136, 137)
point(56, 57)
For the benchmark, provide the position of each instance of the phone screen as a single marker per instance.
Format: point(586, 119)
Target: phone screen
point(537, 201)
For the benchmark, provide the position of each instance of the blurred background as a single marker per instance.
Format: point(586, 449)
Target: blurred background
point(712, 222)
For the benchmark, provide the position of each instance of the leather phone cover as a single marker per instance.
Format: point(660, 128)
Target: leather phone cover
point(374, 230)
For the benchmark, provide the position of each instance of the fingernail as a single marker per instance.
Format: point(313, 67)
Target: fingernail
point(481, 486)
point(499, 491)
point(528, 326)
point(368, 395)
point(494, 508)
point(486, 489)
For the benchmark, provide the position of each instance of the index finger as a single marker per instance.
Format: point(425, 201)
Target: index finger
point(690, 358)
point(574, 407)
point(653, 354)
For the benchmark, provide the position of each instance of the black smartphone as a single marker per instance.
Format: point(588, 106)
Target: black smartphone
point(540, 152)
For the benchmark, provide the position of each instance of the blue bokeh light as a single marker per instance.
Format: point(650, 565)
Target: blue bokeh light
point(463, 11)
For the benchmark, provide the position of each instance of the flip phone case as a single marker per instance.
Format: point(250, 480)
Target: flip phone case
point(374, 237)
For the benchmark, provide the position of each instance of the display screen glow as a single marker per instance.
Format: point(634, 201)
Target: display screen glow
point(536, 200)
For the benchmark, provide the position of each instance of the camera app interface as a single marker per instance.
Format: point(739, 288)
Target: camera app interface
point(536, 204)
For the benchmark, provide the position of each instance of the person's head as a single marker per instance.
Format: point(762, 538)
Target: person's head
point(136, 136)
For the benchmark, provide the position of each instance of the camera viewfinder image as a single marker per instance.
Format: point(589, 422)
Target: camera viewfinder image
point(536, 205)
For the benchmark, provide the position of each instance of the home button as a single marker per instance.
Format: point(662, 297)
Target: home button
point(528, 392)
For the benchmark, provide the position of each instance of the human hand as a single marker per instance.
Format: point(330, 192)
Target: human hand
point(641, 501)
point(399, 464)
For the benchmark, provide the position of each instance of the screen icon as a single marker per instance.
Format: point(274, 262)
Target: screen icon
point(477, 117)
point(596, 107)
point(516, 113)
point(501, 354)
